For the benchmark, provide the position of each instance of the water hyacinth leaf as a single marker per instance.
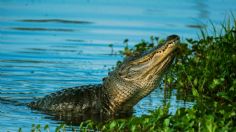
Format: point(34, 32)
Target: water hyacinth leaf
point(195, 92)
point(133, 128)
point(112, 125)
point(195, 82)
point(166, 122)
point(61, 127)
point(20, 130)
point(210, 124)
point(81, 125)
point(122, 125)
point(46, 127)
point(223, 95)
point(37, 127)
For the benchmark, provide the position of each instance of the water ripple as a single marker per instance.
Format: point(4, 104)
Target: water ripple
point(55, 21)
point(42, 29)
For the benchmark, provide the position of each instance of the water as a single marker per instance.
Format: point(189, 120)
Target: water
point(46, 46)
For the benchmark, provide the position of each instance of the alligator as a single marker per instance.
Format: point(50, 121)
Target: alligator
point(125, 86)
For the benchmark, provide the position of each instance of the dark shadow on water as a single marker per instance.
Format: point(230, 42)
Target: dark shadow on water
point(197, 26)
point(11, 102)
point(75, 40)
point(24, 61)
point(54, 50)
point(77, 118)
point(55, 21)
point(202, 8)
point(43, 29)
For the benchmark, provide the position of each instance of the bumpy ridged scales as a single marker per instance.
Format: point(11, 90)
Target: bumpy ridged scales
point(84, 99)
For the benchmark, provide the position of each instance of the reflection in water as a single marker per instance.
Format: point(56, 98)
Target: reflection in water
point(203, 14)
point(77, 118)
point(10, 102)
point(75, 40)
point(42, 29)
point(22, 61)
point(56, 21)
point(198, 26)
point(202, 8)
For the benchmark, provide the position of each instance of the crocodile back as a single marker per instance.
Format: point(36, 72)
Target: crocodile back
point(81, 99)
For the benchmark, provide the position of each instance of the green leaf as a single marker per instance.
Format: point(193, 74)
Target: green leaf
point(195, 82)
point(223, 95)
point(46, 127)
point(133, 128)
point(20, 130)
point(112, 125)
point(195, 92)
point(166, 122)
point(38, 127)
point(210, 124)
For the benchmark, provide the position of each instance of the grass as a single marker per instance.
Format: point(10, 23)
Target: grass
point(205, 70)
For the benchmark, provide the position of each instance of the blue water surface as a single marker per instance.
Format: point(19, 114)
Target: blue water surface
point(47, 45)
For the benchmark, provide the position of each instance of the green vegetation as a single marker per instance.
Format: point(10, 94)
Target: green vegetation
point(204, 71)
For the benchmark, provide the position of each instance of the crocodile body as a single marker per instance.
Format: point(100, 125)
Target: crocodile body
point(134, 79)
point(80, 99)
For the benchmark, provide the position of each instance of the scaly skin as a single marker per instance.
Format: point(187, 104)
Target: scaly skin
point(134, 79)
point(80, 99)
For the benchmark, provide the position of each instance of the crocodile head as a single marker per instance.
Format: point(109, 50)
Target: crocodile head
point(139, 75)
point(149, 65)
